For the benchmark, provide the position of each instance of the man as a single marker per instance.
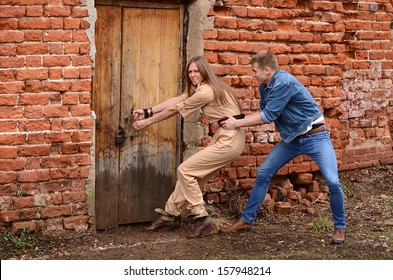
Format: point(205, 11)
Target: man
point(290, 106)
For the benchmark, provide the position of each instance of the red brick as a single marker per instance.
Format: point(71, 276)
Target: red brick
point(56, 111)
point(81, 136)
point(212, 198)
point(283, 207)
point(12, 139)
point(9, 216)
point(58, 137)
point(302, 178)
point(245, 184)
point(286, 184)
point(23, 202)
point(79, 36)
point(57, 11)
point(294, 195)
point(80, 110)
point(8, 126)
point(32, 74)
point(79, 86)
point(313, 186)
point(244, 161)
point(8, 152)
point(63, 173)
point(30, 49)
point(7, 75)
point(56, 211)
point(268, 203)
point(57, 36)
point(7, 178)
point(11, 37)
point(77, 223)
point(29, 214)
point(34, 11)
point(33, 151)
point(74, 197)
point(223, 197)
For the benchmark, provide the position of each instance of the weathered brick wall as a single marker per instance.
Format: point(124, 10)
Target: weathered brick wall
point(342, 51)
point(45, 116)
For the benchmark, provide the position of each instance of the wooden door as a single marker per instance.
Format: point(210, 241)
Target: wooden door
point(137, 65)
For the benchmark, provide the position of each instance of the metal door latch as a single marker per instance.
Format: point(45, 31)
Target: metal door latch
point(121, 135)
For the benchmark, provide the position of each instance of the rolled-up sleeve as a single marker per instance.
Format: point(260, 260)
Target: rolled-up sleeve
point(263, 117)
point(276, 102)
point(202, 96)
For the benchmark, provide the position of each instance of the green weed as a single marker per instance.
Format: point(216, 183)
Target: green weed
point(389, 202)
point(347, 192)
point(17, 242)
point(321, 224)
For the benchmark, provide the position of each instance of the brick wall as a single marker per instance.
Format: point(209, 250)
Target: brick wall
point(45, 116)
point(342, 51)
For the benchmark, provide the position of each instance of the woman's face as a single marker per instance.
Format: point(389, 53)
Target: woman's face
point(194, 74)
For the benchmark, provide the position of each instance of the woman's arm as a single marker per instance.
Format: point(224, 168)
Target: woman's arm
point(167, 103)
point(140, 114)
point(163, 115)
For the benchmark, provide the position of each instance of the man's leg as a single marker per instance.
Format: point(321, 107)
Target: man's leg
point(278, 157)
point(320, 149)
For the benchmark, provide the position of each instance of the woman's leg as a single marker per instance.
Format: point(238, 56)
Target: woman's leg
point(199, 168)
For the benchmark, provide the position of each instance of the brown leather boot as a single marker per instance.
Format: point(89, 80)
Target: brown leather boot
point(238, 227)
point(163, 221)
point(338, 236)
point(202, 226)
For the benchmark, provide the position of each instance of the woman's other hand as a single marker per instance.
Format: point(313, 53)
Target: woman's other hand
point(140, 124)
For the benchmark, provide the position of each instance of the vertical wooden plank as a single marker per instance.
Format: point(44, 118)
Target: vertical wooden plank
point(147, 165)
point(131, 76)
point(106, 95)
point(169, 76)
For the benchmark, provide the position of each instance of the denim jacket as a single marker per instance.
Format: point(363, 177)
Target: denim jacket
point(287, 103)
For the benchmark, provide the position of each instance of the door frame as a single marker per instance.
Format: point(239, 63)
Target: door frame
point(182, 61)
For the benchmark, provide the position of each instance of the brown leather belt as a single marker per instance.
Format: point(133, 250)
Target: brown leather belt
point(316, 128)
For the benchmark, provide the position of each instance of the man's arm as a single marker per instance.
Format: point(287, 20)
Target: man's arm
point(250, 120)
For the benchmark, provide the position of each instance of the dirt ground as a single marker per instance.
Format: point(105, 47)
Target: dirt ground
point(369, 205)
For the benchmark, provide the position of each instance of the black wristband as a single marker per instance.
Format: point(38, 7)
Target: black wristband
point(146, 113)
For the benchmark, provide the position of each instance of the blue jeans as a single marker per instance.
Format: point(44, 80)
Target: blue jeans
point(317, 146)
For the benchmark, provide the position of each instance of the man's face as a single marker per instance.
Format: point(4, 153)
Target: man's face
point(194, 74)
point(261, 75)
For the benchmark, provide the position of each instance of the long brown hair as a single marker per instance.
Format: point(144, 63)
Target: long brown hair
point(220, 88)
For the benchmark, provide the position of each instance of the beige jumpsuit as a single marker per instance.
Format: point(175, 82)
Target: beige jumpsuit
point(194, 173)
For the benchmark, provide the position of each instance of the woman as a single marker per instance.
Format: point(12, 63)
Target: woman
point(217, 101)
